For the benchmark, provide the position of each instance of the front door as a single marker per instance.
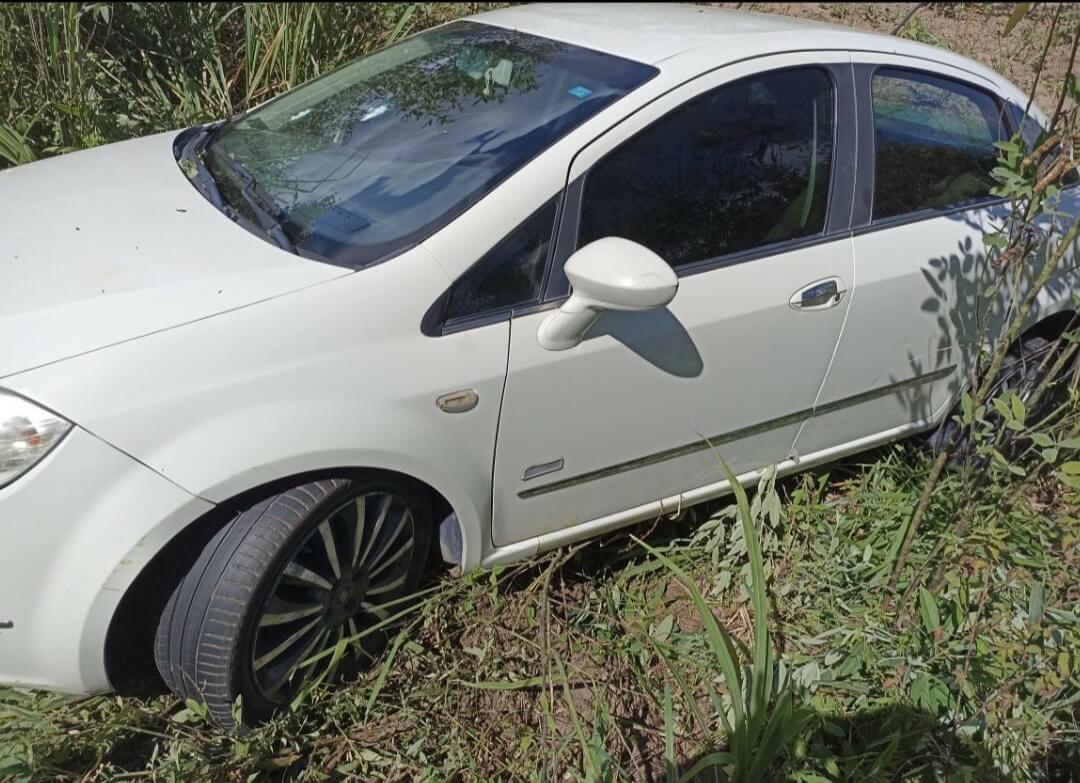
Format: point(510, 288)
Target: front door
point(737, 180)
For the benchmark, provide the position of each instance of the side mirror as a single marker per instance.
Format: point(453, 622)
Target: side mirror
point(608, 274)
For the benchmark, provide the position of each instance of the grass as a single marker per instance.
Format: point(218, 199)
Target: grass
point(75, 75)
point(616, 661)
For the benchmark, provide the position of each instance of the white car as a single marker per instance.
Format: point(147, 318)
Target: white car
point(494, 287)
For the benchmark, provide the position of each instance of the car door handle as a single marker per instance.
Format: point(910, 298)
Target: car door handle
point(819, 295)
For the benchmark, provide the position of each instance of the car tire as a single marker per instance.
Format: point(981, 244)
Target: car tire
point(1024, 368)
point(286, 579)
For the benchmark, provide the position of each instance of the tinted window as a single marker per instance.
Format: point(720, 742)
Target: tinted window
point(934, 142)
point(741, 166)
point(509, 275)
point(375, 156)
point(1032, 133)
point(1030, 129)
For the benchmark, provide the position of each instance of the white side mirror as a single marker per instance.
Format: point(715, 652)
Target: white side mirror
point(608, 274)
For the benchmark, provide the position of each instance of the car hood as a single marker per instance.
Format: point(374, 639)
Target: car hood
point(113, 243)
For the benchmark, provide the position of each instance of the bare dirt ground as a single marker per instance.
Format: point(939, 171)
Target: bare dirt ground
point(974, 30)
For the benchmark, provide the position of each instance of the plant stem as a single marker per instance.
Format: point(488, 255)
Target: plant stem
point(1001, 349)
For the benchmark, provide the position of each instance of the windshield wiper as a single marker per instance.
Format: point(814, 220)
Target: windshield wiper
point(202, 178)
point(263, 207)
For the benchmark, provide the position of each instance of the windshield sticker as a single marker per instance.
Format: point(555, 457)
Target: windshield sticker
point(580, 91)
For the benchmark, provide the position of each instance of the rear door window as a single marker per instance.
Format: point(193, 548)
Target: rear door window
point(934, 142)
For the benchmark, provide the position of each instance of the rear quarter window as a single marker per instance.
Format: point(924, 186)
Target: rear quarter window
point(1032, 134)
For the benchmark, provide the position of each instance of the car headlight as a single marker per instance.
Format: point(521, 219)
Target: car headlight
point(27, 433)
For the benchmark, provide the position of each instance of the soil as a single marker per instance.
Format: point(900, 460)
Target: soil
point(975, 30)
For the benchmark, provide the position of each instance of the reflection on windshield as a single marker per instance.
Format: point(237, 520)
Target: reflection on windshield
point(372, 158)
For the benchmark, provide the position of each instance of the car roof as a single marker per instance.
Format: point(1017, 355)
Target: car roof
point(646, 32)
point(654, 32)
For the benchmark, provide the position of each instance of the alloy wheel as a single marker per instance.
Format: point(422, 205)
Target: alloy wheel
point(330, 589)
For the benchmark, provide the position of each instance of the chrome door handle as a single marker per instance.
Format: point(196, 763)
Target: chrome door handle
point(819, 295)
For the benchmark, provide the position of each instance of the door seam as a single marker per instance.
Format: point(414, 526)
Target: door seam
point(495, 445)
point(835, 351)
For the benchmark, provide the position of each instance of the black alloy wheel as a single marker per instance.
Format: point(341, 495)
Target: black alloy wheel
point(286, 580)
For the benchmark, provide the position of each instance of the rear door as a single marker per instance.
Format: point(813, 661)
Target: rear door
point(741, 181)
point(923, 204)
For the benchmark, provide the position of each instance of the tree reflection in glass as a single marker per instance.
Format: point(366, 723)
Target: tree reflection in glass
point(370, 159)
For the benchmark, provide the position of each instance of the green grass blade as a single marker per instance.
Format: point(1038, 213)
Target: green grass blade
point(384, 671)
point(717, 637)
point(711, 761)
point(688, 694)
point(761, 663)
point(669, 735)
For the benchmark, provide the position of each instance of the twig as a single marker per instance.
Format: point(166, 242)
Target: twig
point(907, 18)
point(1068, 71)
point(1042, 59)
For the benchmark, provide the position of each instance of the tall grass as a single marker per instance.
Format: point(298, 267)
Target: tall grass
point(764, 720)
point(75, 75)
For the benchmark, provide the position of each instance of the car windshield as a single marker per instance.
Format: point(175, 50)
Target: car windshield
point(372, 158)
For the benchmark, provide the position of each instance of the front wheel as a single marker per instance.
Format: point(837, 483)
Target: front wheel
point(285, 580)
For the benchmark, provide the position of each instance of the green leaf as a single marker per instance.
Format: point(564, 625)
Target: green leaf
point(717, 636)
point(1064, 617)
point(1019, 410)
point(811, 777)
point(1071, 468)
point(1072, 84)
point(399, 28)
point(14, 147)
point(380, 681)
point(930, 693)
point(1015, 17)
point(928, 608)
point(662, 630)
point(708, 762)
point(1036, 603)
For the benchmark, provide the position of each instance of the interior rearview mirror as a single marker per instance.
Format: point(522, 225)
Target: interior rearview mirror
point(608, 274)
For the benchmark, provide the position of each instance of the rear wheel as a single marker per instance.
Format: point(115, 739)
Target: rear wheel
point(286, 580)
point(1025, 370)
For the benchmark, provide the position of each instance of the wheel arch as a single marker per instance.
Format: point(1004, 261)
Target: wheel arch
point(1051, 327)
point(129, 637)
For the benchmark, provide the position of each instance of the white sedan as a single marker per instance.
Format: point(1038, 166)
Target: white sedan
point(497, 287)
